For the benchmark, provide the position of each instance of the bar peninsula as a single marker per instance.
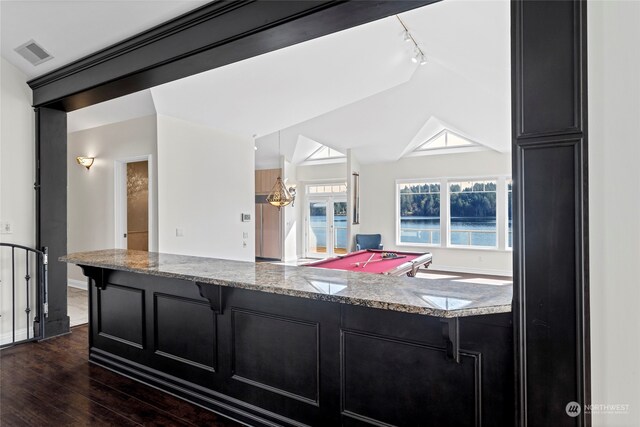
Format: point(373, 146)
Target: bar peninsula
point(270, 344)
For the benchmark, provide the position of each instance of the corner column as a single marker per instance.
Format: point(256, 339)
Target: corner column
point(51, 210)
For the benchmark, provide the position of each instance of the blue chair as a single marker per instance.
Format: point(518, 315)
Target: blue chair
point(368, 241)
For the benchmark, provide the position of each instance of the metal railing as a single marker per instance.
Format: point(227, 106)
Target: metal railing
point(32, 294)
point(469, 235)
point(420, 233)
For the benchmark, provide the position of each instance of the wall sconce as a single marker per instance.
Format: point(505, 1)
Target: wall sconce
point(85, 161)
point(292, 191)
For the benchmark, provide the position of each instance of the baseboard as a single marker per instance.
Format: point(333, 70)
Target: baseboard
point(7, 337)
point(78, 284)
point(227, 406)
point(487, 272)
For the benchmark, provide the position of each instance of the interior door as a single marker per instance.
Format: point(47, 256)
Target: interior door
point(138, 205)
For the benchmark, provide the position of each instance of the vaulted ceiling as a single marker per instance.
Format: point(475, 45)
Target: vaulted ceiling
point(354, 89)
point(72, 29)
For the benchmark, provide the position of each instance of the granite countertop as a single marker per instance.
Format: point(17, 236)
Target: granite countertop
point(441, 296)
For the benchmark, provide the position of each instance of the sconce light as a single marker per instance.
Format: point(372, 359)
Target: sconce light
point(292, 191)
point(85, 161)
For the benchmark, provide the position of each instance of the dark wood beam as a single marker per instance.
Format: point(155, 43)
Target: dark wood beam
point(209, 37)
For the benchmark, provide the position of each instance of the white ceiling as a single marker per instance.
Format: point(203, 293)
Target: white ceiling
point(354, 89)
point(70, 30)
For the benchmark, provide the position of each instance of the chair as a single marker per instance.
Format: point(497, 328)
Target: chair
point(368, 241)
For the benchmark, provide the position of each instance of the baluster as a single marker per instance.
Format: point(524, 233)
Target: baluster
point(13, 293)
point(27, 277)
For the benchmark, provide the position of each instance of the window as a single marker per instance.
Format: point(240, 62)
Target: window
point(509, 215)
point(445, 140)
point(325, 153)
point(419, 206)
point(472, 209)
point(327, 188)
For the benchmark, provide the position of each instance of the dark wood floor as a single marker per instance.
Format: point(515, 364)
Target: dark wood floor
point(51, 384)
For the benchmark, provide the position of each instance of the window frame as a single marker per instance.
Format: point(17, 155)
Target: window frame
point(501, 212)
point(398, 216)
point(485, 179)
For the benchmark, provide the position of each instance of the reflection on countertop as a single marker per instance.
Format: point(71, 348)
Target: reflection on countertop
point(445, 296)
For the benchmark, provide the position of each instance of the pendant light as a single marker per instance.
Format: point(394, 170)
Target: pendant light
point(279, 195)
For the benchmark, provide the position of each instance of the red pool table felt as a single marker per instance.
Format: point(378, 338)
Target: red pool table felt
point(347, 262)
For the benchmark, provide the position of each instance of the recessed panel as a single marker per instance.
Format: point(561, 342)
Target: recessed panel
point(122, 314)
point(276, 353)
point(185, 331)
point(402, 383)
point(549, 91)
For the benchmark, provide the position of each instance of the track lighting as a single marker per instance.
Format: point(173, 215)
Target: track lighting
point(418, 56)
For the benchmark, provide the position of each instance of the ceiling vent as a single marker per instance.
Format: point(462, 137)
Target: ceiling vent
point(33, 52)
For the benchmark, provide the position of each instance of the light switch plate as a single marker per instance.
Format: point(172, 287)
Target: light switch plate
point(246, 217)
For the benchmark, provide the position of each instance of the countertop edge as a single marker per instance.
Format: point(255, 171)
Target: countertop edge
point(381, 305)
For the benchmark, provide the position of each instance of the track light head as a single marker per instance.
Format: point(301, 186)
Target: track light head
point(406, 37)
point(423, 59)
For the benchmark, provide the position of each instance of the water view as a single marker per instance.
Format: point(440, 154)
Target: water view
point(467, 231)
point(319, 232)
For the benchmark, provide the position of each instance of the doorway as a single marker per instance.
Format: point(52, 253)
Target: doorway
point(326, 226)
point(133, 203)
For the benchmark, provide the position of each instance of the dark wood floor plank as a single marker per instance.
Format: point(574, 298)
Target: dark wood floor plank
point(76, 405)
point(34, 411)
point(52, 383)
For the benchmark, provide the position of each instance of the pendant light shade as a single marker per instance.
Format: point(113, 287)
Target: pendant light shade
point(279, 195)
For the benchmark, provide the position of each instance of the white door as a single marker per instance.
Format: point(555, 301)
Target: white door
point(326, 227)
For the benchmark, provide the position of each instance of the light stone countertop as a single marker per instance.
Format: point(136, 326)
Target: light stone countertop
point(440, 297)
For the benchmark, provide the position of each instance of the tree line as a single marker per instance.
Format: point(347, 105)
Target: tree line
point(424, 200)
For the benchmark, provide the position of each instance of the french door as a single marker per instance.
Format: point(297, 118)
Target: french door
point(326, 226)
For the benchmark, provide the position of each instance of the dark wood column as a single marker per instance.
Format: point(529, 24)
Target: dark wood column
point(51, 210)
point(550, 239)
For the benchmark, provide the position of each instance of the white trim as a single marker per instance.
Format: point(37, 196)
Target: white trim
point(120, 197)
point(78, 284)
point(485, 271)
point(418, 181)
point(7, 337)
point(445, 226)
point(330, 199)
point(452, 150)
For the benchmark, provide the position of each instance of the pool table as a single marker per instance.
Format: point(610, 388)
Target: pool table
point(405, 263)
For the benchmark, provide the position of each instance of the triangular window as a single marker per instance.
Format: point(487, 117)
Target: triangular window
point(325, 153)
point(445, 140)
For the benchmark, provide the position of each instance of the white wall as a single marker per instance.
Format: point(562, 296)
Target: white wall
point(614, 205)
point(90, 194)
point(17, 201)
point(206, 180)
point(291, 251)
point(378, 204)
point(353, 166)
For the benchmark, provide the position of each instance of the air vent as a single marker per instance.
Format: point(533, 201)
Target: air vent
point(33, 52)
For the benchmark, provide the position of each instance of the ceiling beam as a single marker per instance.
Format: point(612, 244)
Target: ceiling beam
point(214, 35)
